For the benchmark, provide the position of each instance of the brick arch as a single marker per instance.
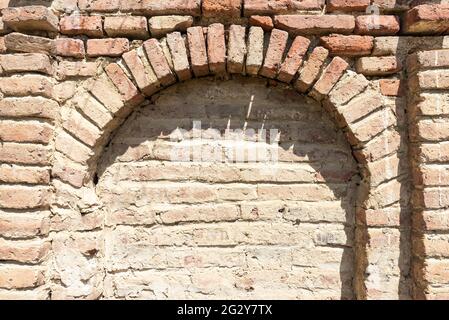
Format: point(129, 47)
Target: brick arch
point(102, 104)
point(140, 73)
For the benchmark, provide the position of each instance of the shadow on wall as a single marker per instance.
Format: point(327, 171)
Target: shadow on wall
point(287, 233)
point(22, 3)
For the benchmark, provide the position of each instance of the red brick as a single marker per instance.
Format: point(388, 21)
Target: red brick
point(216, 48)
point(93, 109)
point(348, 88)
point(236, 49)
point(25, 43)
point(21, 225)
point(265, 22)
point(430, 79)
point(63, 6)
point(221, 8)
point(20, 277)
point(339, 45)
point(312, 68)
point(385, 217)
point(25, 131)
point(19, 197)
point(27, 85)
point(178, 51)
point(255, 44)
point(431, 175)
point(378, 66)
point(3, 29)
point(428, 59)
point(88, 25)
point(35, 107)
point(124, 85)
point(24, 153)
point(391, 87)
point(30, 175)
point(24, 252)
point(30, 18)
point(99, 5)
point(113, 47)
point(68, 171)
point(126, 26)
point(160, 26)
point(347, 5)
point(74, 69)
point(105, 91)
point(329, 78)
point(157, 8)
point(427, 19)
point(159, 63)
point(67, 47)
point(314, 24)
point(270, 7)
point(431, 198)
point(2, 45)
point(371, 126)
point(430, 130)
point(294, 59)
point(26, 62)
point(198, 51)
point(72, 148)
point(391, 5)
point(431, 220)
point(358, 108)
point(275, 53)
point(377, 25)
point(148, 85)
point(76, 124)
point(376, 148)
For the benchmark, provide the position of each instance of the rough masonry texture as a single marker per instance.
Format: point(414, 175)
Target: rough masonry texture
point(110, 188)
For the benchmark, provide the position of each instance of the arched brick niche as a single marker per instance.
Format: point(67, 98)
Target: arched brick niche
point(73, 72)
point(101, 104)
point(205, 214)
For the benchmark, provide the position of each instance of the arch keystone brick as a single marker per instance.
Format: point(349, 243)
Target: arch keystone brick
point(236, 49)
point(311, 70)
point(216, 48)
point(198, 51)
point(255, 46)
point(275, 53)
point(329, 78)
point(294, 59)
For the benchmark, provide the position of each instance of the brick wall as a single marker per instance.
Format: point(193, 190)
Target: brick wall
point(73, 71)
point(236, 229)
